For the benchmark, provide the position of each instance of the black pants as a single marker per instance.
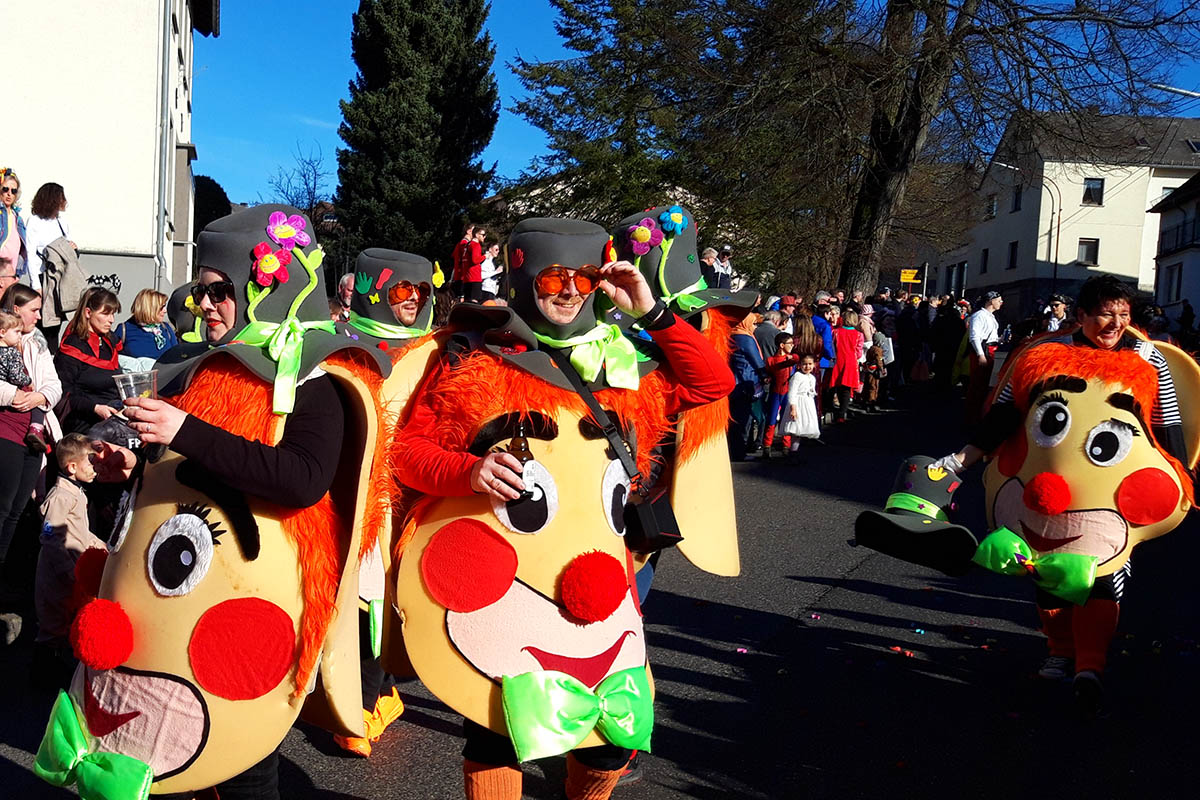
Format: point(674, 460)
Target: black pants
point(18, 473)
point(375, 681)
point(843, 398)
point(260, 782)
point(485, 746)
point(473, 291)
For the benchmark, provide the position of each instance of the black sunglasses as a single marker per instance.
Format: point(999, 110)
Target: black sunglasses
point(8, 190)
point(219, 291)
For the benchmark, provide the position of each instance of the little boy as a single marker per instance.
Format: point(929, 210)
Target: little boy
point(65, 536)
point(12, 370)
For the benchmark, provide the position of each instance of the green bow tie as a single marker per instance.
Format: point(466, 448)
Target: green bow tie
point(549, 713)
point(683, 299)
point(283, 342)
point(383, 330)
point(1066, 575)
point(63, 759)
point(602, 346)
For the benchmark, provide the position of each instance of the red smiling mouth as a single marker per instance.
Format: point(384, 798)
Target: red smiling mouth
point(590, 670)
point(100, 721)
point(1041, 543)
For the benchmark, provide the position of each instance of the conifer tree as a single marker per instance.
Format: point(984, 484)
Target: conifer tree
point(422, 108)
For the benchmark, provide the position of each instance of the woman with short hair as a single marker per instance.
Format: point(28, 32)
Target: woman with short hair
point(87, 361)
point(145, 336)
point(45, 225)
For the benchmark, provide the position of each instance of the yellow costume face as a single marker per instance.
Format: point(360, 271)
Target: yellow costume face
point(207, 689)
point(1083, 475)
point(488, 589)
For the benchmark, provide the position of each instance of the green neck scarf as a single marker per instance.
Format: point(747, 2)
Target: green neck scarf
point(549, 713)
point(602, 346)
point(1066, 575)
point(63, 759)
point(384, 330)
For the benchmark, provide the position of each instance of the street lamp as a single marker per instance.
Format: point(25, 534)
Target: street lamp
point(1055, 214)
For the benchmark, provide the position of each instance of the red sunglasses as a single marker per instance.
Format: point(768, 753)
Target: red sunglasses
point(554, 278)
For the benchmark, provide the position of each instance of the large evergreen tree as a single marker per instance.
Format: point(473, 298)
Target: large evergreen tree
point(421, 110)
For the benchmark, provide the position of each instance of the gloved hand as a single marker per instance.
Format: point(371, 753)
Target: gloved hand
point(949, 463)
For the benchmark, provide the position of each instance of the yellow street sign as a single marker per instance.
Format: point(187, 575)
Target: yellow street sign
point(908, 276)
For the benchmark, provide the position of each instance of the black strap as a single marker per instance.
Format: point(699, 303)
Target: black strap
point(611, 432)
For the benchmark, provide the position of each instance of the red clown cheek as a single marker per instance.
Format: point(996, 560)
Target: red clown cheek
point(1011, 456)
point(1147, 496)
point(241, 649)
point(468, 566)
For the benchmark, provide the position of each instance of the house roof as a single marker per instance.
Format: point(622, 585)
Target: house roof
point(1189, 191)
point(1117, 139)
point(206, 16)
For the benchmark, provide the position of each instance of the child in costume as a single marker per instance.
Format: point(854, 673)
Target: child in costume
point(780, 367)
point(517, 590)
point(874, 372)
point(844, 377)
point(801, 416)
point(65, 537)
point(12, 370)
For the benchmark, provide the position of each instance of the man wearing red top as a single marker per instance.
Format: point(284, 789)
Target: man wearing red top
point(456, 278)
point(472, 267)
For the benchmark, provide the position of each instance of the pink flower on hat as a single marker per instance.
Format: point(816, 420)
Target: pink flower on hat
point(644, 236)
point(286, 231)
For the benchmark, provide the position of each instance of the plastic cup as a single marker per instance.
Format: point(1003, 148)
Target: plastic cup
point(137, 384)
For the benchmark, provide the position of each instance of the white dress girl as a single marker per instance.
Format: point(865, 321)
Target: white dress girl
point(801, 417)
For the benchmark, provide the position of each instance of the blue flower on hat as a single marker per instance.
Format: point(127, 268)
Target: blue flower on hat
point(673, 220)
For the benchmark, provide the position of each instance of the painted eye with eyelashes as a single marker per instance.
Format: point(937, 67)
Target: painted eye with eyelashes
point(181, 551)
point(1051, 420)
point(1110, 442)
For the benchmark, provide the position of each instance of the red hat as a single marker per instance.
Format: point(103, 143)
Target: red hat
point(787, 300)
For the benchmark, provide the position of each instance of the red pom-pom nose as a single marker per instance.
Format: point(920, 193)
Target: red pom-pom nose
point(102, 635)
point(1047, 493)
point(594, 586)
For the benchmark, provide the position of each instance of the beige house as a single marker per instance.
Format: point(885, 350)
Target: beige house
point(103, 106)
point(1052, 215)
point(1179, 249)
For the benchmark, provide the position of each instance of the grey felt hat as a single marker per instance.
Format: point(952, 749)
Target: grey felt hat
point(377, 271)
point(274, 265)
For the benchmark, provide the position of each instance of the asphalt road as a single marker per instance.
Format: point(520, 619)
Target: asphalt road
point(786, 682)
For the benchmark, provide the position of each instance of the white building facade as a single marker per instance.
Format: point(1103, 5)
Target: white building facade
point(103, 106)
point(1178, 277)
point(1049, 223)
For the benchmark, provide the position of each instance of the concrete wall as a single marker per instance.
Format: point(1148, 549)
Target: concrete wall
point(88, 100)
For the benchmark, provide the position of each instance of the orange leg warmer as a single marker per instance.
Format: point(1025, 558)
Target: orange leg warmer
point(585, 783)
point(1056, 624)
point(1094, 625)
point(487, 782)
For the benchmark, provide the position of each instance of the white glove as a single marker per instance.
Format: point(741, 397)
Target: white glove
point(949, 463)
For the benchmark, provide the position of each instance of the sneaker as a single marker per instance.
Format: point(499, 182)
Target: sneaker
point(1089, 693)
point(632, 772)
point(359, 745)
point(1054, 668)
point(387, 710)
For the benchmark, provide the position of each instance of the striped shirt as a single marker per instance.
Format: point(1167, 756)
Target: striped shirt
point(1164, 417)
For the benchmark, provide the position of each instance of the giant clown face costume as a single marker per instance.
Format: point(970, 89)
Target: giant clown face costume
point(489, 591)
point(1084, 477)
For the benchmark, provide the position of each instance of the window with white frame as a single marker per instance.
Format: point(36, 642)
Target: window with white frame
point(1170, 283)
point(1089, 252)
point(1093, 191)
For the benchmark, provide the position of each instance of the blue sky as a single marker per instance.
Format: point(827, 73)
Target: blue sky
point(258, 92)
